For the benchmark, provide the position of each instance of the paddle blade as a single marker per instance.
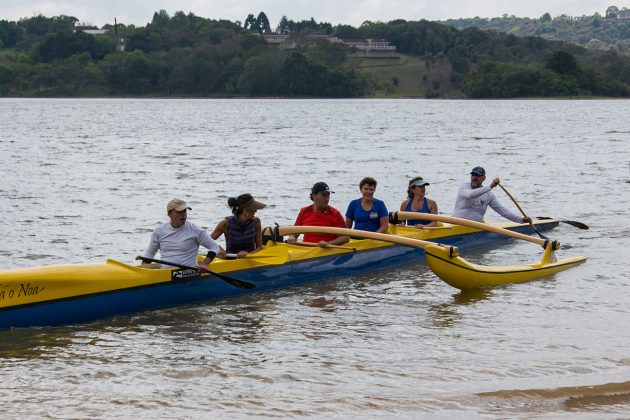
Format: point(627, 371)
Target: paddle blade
point(234, 282)
point(578, 225)
point(574, 223)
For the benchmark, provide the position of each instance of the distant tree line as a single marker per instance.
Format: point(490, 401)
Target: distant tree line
point(189, 55)
point(594, 32)
point(561, 76)
point(181, 54)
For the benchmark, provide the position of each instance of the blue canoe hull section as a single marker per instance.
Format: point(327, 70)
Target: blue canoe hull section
point(127, 301)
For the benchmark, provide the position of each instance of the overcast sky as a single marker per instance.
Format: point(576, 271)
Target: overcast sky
point(352, 12)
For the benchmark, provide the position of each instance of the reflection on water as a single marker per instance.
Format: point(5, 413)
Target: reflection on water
point(467, 297)
point(28, 343)
point(328, 305)
point(444, 315)
point(84, 180)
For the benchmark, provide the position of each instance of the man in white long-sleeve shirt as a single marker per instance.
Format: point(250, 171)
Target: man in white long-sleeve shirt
point(473, 199)
point(178, 240)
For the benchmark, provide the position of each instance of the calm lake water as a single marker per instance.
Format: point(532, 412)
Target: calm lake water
point(88, 179)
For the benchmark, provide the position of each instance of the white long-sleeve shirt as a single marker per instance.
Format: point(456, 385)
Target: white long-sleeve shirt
point(179, 245)
point(472, 204)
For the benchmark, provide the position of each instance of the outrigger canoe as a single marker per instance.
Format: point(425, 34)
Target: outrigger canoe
point(75, 293)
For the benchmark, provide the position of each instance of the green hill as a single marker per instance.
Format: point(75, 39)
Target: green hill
point(188, 55)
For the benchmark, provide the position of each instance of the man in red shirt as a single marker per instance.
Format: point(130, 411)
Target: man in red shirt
point(320, 214)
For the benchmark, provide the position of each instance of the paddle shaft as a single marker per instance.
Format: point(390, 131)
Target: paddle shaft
point(522, 211)
point(405, 215)
point(234, 282)
point(513, 200)
point(303, 243)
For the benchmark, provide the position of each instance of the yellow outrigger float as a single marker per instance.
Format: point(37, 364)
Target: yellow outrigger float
point(444, 260)
point(463, 275)
point(459, 273)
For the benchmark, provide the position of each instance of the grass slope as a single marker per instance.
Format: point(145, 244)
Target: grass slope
point(416, 78)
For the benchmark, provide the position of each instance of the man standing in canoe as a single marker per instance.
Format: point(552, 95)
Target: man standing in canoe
point(473, 199)
point(320, 214)
point(178, 240)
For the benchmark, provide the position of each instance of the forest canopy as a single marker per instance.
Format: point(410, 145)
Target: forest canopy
point(188, 55)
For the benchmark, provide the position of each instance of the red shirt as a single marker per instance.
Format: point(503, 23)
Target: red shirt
point(330, 216)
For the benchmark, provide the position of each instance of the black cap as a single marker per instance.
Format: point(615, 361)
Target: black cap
point(320, 187)
point(478, 170)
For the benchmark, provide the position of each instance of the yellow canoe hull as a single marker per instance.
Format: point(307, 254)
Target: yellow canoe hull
point(464, 275)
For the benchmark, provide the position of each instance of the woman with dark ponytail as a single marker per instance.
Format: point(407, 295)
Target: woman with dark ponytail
point(242, 230)
point(417, 202)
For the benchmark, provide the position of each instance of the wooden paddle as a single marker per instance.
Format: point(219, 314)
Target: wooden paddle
point(578, 225)
point(522, 211)
point(312, 244)
point(234, 282)
point(405, 215)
